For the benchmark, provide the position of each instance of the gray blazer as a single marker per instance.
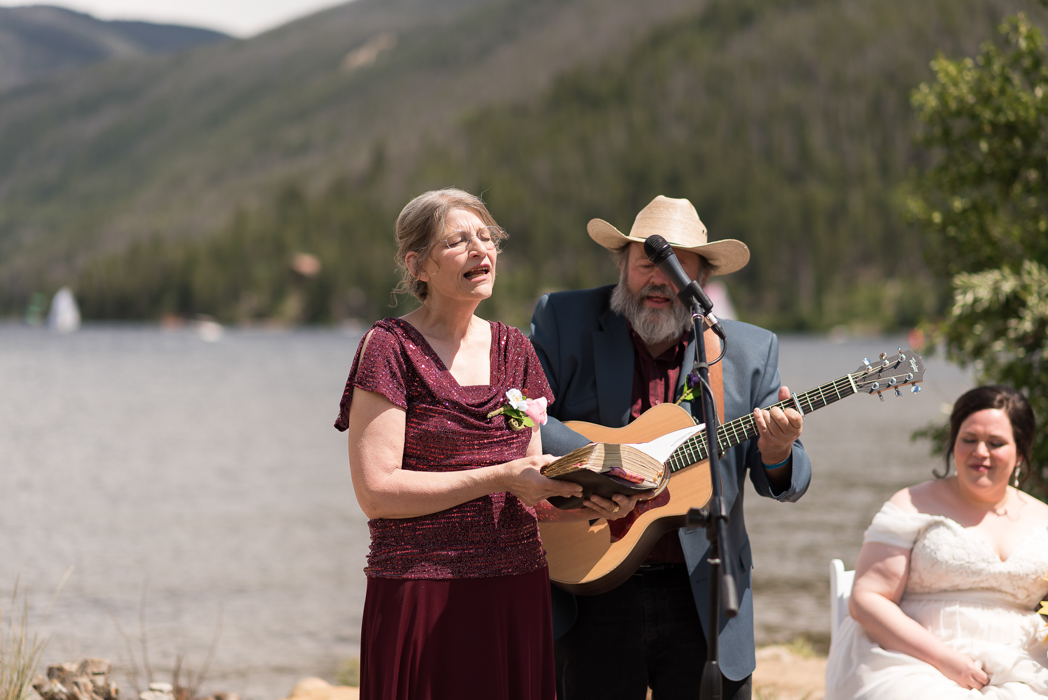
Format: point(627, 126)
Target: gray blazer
point(587, 354)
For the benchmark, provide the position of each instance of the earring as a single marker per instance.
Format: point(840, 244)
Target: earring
point(1015, 473)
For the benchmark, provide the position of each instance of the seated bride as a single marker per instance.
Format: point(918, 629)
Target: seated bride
point(952, 572)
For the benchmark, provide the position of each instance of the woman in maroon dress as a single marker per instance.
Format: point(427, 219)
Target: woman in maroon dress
point(457, 600)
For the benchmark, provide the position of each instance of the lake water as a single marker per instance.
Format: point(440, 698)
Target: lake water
point(185, 489)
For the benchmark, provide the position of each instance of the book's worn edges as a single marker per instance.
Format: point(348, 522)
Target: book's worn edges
point(585, 457)
point(602, 457)
point(584, 467)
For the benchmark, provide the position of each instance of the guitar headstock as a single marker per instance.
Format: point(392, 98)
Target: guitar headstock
point(899, 369)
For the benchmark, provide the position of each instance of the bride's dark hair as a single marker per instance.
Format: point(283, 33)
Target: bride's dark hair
point(1005, 398)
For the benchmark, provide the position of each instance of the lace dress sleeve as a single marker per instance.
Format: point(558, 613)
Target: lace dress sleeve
point(895, 527)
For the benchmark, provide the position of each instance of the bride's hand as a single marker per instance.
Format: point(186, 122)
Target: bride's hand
point(965, 672)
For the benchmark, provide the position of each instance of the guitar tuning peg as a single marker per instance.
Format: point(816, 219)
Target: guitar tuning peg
point(902, 358)
point(866, 361)
point(898, 392)
point(881, 397)
point(915, 389)
point(891, 381)
point(884, 355)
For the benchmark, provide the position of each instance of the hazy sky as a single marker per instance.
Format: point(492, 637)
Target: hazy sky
point(242, 18)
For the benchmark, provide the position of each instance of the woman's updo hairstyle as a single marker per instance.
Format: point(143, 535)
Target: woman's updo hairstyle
point(421, 225)
point(999, 396)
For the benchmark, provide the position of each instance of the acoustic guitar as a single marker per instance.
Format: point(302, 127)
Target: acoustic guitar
point(593, 557)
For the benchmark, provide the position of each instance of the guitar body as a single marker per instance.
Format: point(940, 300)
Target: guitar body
point(594, 557)
point(585, 558)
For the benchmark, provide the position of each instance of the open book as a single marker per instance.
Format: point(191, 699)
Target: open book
point(606, 468)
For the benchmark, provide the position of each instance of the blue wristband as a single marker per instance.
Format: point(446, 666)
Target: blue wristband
point(769, 467)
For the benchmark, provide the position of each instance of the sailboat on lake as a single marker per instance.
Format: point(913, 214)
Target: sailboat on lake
point(64, 316)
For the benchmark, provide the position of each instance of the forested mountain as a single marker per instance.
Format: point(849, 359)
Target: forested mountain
point(39, 40)
point(786, 122)
point(94, 159)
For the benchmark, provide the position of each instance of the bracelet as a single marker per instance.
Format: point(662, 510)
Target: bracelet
point(769, 467)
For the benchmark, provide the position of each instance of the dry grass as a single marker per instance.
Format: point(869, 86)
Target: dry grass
point(186, 681)
point(20, 652)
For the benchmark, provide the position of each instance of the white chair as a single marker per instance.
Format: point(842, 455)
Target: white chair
point(840, 591)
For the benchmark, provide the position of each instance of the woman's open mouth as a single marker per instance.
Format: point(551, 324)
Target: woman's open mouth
point(478, 271)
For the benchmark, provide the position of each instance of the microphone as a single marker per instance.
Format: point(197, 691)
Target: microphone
point(659, 252)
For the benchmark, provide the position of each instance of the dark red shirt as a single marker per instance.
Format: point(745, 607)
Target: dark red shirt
point(447, 429)
point(654, 378)
point(655, 382)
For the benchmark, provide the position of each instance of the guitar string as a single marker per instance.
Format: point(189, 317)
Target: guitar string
point(743, 428)
point(694, 450)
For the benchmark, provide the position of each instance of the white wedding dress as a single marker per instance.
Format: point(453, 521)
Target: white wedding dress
point(960, 590)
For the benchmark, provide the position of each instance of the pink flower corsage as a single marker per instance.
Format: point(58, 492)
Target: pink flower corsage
point(522, 412)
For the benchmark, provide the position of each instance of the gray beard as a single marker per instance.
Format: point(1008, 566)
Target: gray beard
point(654, 326)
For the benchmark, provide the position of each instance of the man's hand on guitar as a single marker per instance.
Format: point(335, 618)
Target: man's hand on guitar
point(777, 429)
point(620, 507)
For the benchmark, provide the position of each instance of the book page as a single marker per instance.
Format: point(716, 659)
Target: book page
point(661, 448)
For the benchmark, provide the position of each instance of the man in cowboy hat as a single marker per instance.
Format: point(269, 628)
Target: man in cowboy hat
point(611, 353)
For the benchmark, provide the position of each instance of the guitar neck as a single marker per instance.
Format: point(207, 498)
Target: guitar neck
point(744, 428)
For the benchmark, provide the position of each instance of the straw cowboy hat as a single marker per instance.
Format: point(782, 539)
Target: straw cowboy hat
point(677, 221)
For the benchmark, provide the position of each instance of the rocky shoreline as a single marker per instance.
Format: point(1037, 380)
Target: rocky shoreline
point(89, 679)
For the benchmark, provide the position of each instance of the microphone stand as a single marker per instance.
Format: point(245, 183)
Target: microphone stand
point(715, 517)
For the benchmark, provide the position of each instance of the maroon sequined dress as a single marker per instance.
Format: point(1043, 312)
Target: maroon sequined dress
point(458, 601)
